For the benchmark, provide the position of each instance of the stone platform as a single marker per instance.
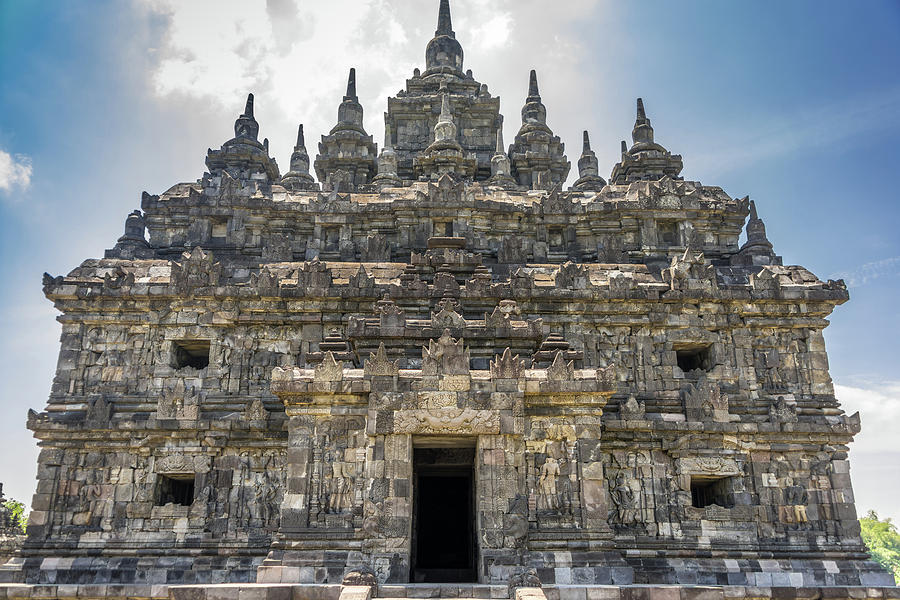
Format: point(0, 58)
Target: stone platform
point(238, 591)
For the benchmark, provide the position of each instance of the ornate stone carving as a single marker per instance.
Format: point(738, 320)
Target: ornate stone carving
point(197, 269)
point(376, 249)
point(361, 576)
point(445, 356)
point(689, 267)
point(709, 465)
point(98, 413)
point(178, 402)
point(446, 421)
point(339, 483)
point(118, 279)
point(255, 412)
point(624, 494)
point(179, 463)
point(705, 402)
point(266, 281)
point(447, 318)
point(796, 498)
point(523, 578)
point(314, 275)
point(389, 314)
point(329, 370)
point(378, 364)
point(781, 411)
point(632, 410)
point(573, 276)
point(560, 370)
point(606, 377)
point(548, 493)
point(507, 366)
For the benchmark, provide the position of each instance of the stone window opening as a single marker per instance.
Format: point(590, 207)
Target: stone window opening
point(332, 237)
point(175, 489)
point(668, 233)
point(190, 353)
point(443, 229)
point(556, 239)
point(219, 230)
point(694, 359)
point(706, 492)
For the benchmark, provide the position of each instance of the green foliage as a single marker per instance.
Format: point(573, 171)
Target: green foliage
point(883, 542)
point(17, 513)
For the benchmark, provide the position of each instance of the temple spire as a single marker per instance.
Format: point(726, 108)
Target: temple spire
point(445, 23)
point(246, 126)
point(298, 178)
point(445, 130)
point(589, 179)
point(533, 91)
point(645, 160)
point(351, 86)
point(643, 130)
point(501, 167)
point(444, 53)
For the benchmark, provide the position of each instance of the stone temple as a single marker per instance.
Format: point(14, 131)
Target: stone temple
point(432, 370)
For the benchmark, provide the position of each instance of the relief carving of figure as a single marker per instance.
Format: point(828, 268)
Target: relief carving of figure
point(796, 498)
point(548, 498)
point(340, 488)
point(625, 499)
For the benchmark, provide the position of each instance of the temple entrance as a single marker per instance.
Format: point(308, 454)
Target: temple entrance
point(443, 544)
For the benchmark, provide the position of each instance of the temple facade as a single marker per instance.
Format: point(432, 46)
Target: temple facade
point(435, 364)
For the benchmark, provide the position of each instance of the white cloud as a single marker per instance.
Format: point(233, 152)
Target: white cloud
point(15, 172)
point(879, 409)
point(889, 267)
point(295, 54)
point(875, 453)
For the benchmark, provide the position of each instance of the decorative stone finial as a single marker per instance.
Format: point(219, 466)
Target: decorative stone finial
point(246, 126)
point(534, 110)
point(350, 112)
point(301, 139)
point(533, 91)
point(501, 168)
point(445, 129)
point(132, 244)
point(646, 160)
point(347, 155)
point(444, 54)
point(242, 158)
point(643, 131)
point(758, 250)
point(351, 87)
point(298, 178)
point(387, 162)
point(538, 157)
point(588, 169)
point(445, 23)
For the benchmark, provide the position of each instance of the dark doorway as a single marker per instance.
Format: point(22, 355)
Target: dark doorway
point(444, 519)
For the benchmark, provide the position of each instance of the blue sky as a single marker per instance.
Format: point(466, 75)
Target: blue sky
point(795, 103)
